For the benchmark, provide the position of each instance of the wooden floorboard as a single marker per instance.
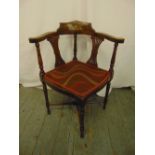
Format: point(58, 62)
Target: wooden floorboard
point(32, 112)
point(107, 132)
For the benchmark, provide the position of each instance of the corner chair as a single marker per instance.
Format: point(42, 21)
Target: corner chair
point(75, 78)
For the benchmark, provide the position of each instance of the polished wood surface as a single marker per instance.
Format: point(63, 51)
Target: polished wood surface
point(75, 28)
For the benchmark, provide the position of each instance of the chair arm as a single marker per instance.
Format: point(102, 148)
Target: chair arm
point(110, 38)
point(41, 37)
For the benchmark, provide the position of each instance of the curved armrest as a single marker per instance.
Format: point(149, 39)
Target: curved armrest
point(111, 38)
point(41, 37)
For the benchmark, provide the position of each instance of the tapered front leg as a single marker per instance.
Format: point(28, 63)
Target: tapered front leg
point(81, 112)
point(46, 97)
point(42, 73)
point(106, 95)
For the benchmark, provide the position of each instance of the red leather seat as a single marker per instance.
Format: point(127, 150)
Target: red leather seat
point(77, 78)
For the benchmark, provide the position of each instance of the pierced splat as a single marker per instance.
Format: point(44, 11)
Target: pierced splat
point(96, 41)
point(53, 39)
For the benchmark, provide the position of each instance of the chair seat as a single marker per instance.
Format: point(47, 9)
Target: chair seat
point(77, 78)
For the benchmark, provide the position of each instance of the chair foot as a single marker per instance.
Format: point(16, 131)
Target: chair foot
point(48, 111)
point(103, 106)
point(82, 134)
point(106, 95)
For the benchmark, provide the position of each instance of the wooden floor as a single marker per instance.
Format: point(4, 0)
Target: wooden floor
point(107, 132)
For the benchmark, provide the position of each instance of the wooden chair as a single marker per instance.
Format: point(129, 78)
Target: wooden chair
point(77, 79)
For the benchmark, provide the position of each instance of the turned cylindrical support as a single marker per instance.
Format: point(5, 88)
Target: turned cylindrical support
point(42, 73)
point(111, 70)
point(106, 95)
point(40, 62)
point(81, 112)
point(75, 47)
point(112, 63)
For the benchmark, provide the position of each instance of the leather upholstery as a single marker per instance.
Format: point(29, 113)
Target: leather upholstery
point(78, 78)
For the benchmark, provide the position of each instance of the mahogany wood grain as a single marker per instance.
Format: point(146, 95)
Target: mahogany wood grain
point(42, 73)
point(75, 28)
point(96, 41)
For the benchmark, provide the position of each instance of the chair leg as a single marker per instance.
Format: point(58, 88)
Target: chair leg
point(46, 97)
point(106, 95)
point(81, 114)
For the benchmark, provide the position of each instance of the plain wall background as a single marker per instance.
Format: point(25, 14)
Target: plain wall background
point(109, 16)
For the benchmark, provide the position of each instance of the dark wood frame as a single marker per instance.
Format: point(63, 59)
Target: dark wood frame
point(75, 28)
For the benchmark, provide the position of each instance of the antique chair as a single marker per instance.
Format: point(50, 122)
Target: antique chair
point(77, 79)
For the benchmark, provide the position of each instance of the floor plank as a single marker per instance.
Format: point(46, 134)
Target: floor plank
point(108, 132)
point(33, 112)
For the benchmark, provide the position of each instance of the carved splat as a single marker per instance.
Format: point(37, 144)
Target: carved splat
point(96, 41)
point(54, 42)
